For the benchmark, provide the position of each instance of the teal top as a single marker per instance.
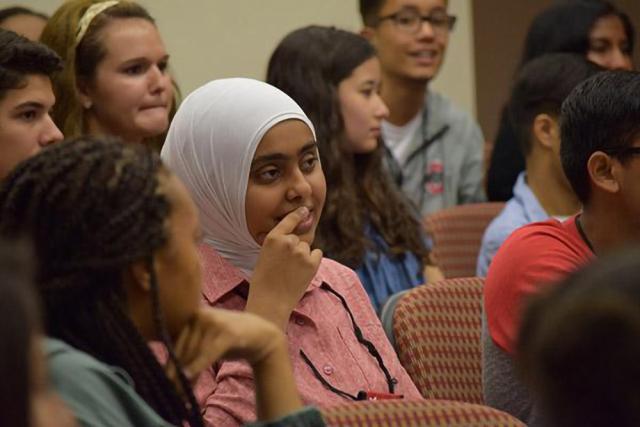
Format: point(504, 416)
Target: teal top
point(102, 395)
point(98, 394)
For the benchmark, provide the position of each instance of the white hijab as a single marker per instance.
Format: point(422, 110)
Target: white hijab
point(210, 146)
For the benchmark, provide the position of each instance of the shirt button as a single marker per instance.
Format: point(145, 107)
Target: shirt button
point(299, 321)
point(328, 369)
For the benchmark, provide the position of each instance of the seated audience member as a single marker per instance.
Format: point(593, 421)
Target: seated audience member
point(248, 155)
point(542, 190)
point(594, 29)
point(366, 224)
point(26, 398)
point(116, 237)
point(23, 21)
point(579, 345)
point(434, 149)
point(600, 128)
point(26, 98)
point(116, 79)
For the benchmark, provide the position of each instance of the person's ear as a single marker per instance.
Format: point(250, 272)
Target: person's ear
point(82, 92)
point(545, 130)
point(140, 275)
point(369, 34)
point(604, 172)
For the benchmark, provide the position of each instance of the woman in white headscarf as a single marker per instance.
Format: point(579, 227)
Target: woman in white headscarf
point(248, 155)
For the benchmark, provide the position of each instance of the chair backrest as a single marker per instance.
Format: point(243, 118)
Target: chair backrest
point(437, 329)
point(457, 235)
point(429, 413)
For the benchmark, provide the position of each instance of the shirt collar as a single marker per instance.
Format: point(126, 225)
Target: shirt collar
point(531, 207)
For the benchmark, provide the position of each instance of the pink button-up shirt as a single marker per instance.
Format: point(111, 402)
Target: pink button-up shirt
point(320, 326)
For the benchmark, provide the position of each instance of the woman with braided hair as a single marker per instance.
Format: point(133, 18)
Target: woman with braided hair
point(116, 237)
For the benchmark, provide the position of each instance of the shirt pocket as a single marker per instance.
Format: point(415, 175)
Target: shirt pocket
point(363, 368)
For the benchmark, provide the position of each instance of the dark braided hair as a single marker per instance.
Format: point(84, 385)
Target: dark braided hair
point(92, 207)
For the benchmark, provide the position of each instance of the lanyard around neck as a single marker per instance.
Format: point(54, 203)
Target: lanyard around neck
point(391, 382)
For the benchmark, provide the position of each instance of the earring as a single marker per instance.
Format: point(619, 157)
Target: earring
point(87, 105)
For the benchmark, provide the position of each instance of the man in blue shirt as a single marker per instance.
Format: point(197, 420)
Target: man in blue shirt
point(542, 190)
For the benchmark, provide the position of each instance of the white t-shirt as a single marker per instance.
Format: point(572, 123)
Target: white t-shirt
point(398, 138)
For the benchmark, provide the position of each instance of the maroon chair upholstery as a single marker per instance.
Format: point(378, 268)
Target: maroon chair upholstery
point(429, 413)
point(457, 235)
point(437, 329)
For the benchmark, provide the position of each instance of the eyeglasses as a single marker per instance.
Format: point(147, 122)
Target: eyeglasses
point(410, 21)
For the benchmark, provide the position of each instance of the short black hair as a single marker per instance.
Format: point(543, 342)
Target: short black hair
point(541, 87)
point(601, 114)
point(10, 12)
point(20, 57)
point(565, 27)
point(369, 10)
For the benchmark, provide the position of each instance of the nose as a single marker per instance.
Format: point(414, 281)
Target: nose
point(381, 111)
point(159, 80)
point(426, 30)
point(299, 188)
point(50, 133)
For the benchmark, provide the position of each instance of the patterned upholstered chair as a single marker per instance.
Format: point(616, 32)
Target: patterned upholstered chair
point(437, 329)
point(457, 235)
point(429, 413)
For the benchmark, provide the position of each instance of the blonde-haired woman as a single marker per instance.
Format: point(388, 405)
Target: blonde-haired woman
point(115, 80)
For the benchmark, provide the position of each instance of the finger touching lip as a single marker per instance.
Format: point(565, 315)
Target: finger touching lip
point(305, 225)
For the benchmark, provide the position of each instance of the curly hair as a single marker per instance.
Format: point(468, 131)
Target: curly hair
point(92, 207)
point(20, 57)
point(308, 65)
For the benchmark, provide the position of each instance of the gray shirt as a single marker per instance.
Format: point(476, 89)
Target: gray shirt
point(501, 386)
point(444, 165)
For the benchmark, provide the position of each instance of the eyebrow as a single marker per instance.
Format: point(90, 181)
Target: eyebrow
point(145, 59)
point(312, 145)
point(417, 9)
point(29, 104)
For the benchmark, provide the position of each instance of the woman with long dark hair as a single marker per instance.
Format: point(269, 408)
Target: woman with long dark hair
point(367, 223)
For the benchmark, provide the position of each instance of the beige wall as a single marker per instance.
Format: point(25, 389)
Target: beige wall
point(211, 39)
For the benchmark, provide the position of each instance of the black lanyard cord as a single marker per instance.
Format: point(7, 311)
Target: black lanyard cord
point(325, 382)
point(583, 234)
point(391, 382)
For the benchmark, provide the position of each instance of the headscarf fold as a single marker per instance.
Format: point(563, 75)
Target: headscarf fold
point(210, 146)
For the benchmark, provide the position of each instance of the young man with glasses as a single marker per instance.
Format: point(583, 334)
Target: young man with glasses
point(600, 155)
point(26, 97)
point(434, 150)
